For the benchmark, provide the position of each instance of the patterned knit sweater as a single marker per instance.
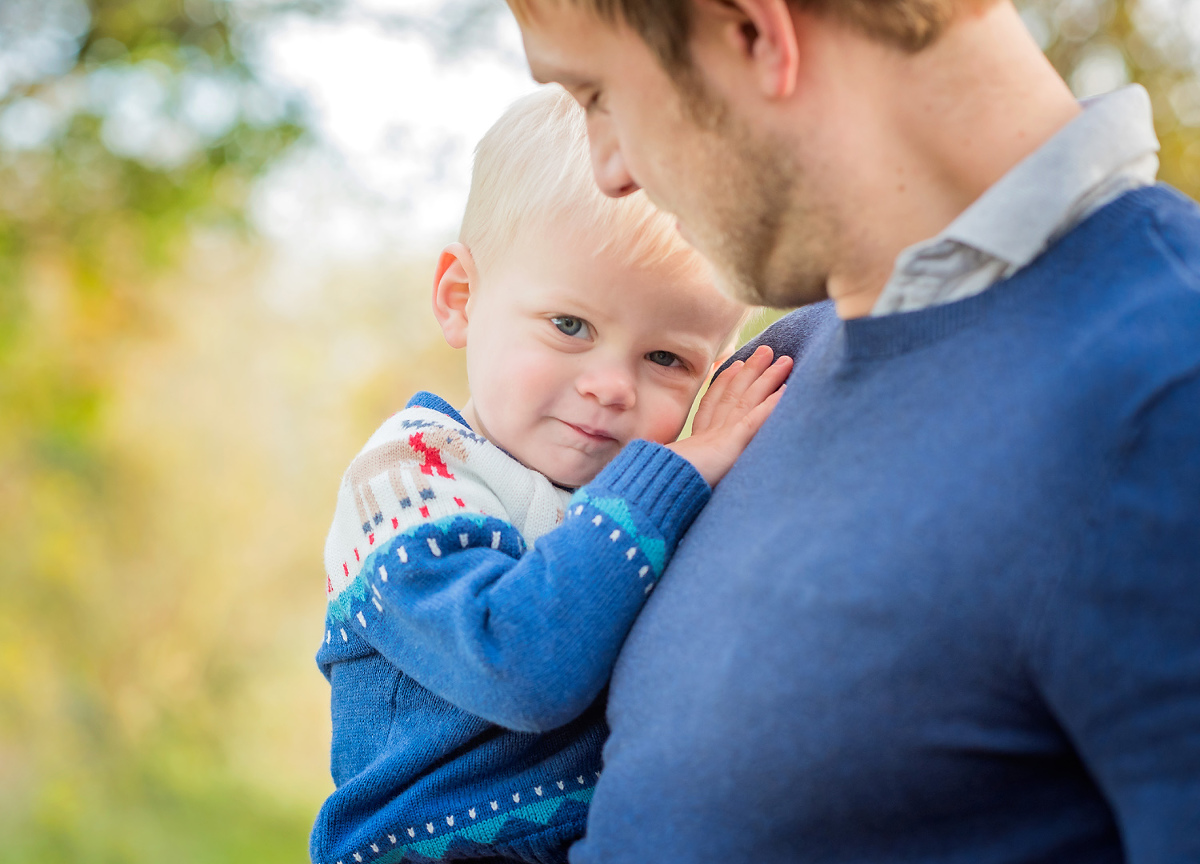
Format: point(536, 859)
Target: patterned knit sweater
point(474, 614)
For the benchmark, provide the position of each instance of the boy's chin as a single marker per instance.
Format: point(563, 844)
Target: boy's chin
point(571, 481)
point(569, 477)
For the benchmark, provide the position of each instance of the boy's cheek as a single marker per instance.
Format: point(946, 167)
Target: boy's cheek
point(665, 420)
point(533, 374)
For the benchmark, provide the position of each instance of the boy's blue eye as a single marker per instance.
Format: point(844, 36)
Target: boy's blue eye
point(663, 358)
point(570, 326)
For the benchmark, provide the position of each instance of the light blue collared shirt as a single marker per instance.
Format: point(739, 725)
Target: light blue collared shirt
point(1107, 150)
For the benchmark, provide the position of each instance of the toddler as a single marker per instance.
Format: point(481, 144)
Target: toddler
point(484, 565)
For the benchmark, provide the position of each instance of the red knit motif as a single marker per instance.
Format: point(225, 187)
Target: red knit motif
point(432, 457)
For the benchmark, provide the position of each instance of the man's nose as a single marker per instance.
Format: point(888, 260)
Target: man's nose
point(608, 164)
point(610, 385)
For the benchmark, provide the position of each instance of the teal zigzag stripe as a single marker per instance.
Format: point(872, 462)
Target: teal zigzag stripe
point(486, 830)
point(339, 607)
point(617, 510)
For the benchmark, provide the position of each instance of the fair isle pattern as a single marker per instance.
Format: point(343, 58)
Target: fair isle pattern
point(422, 467)
point(616, 509)
point(444, 537)
point(435, 538)
point(430, 841)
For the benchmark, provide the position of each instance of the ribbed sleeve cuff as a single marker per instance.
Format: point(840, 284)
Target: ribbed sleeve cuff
point(660, 485)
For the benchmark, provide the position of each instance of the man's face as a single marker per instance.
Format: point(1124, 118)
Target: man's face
point(737, 193)
point(572, 355)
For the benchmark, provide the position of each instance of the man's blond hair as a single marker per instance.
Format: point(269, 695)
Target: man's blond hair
point(533, 170)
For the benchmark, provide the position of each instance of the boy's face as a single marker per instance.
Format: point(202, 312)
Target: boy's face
point(570, 356)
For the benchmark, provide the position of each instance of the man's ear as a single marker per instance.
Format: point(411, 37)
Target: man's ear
point(763, 33)
point(453, 282)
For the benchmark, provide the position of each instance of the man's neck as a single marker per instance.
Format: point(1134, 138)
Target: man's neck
point(935, 129)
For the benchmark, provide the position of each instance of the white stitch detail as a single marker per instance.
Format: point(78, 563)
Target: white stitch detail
point(578, 509)
point(345, 638)
point(645, 569)
point(357, 857)
point(450, 821)
point(597, 520)
point(429, 827)
point(374, 848)
point(495, 806)
point(579, 779)
point(377, 606)
point(376, 590)
point(538, 790)
point(382, 572)
point(392, 837)
point(648, 588)
point(495, 539)
point(361, 619)
point(412, 832)
point(433, 547)
point(516, 797)
point(328, 635)
point(560, 784)
point(403, 555)
point(471, 812)
point(462, 539)
point(630, 553)
point(613, 536)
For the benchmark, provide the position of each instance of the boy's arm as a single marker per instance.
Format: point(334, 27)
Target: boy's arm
point(527, 639)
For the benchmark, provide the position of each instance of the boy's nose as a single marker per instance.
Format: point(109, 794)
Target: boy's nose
point(612, 387)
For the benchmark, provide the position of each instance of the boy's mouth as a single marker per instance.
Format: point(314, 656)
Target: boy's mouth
point(599, 436)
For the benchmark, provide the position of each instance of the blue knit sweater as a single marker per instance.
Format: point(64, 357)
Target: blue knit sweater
point(458, 614)
point(946, 607)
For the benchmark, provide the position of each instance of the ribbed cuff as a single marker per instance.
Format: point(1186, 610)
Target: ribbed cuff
point(660, 485)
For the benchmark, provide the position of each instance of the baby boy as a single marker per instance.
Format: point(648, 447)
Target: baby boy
point(485, 565)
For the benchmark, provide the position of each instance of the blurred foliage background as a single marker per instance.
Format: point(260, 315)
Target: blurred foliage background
point(171, 434)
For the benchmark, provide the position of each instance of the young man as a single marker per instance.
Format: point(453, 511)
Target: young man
point(959, 619)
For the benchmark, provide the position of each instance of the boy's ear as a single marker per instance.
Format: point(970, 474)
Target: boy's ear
point(452, 284)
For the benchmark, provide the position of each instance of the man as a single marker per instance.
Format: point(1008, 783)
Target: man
point(947, 605)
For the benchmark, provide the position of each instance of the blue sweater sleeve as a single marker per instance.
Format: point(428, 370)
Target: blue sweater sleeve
point(1118, 653)
point(524, 638)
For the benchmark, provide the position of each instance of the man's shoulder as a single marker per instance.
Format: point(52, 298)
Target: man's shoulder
point(1176, 224)
point(1153, 222)
point(793, 334)
point(1131, 284)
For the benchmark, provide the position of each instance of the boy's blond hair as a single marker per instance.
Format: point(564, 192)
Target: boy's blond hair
point(533, 169)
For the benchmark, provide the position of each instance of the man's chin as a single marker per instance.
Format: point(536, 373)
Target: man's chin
point(782, 294)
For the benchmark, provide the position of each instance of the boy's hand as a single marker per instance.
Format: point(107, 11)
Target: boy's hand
point(732, 411)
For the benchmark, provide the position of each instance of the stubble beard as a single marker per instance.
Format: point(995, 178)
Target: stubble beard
point(763, 233)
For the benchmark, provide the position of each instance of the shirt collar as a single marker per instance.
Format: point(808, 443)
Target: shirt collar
point(1016, 217)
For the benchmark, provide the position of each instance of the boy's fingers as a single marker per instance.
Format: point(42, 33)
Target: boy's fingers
point(704, 413)
point(768, 382)
point(740, 382)
point(755, 384)
point(754, 420)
